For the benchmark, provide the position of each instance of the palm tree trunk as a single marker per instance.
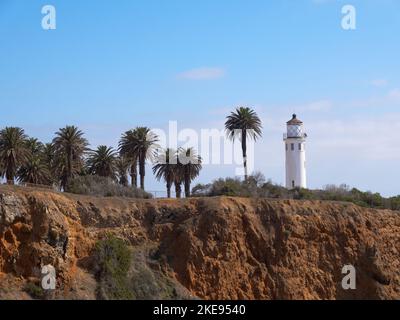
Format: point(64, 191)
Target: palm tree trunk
point(9, 177)
point(187, 188)
point(124, 180)
point(178, 189)
point(187, 181)
point(69, 169)
point(244, 151)
point(142, 182)
point(142, 165)
point(168, 190)
point(134, 175)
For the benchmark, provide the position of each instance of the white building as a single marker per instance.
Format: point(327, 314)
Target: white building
point(295, 140)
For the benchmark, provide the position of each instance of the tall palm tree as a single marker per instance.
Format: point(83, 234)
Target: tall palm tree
point(127, 151)
point(34, 169)
point(70, 147)
point(146, 144)
point(164, 168)
point(102, 162)
point(13, 151)
point(122, 166)
point(179, 175)
point(191, 166)
point(49, 159)
point(243, 123)
point(140, 144)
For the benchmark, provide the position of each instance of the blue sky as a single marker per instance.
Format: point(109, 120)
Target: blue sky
point(113, 65)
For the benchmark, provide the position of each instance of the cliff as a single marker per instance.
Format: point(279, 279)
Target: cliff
point(210, 248)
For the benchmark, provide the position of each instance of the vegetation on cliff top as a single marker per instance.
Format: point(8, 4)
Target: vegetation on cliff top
point(256, 186)
point(67, 164)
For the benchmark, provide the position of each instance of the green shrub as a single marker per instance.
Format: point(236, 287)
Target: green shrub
point(255, 186)
point(147, 282)
point(34, 290)
point(112, 263)
point(103, 187)
point(227, 187)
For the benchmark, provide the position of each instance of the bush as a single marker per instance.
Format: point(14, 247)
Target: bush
point(256, 187)
point(147, 281)
point(112, 263)
point(227, 187)
point(34, 290)
point(103, 187)
point(124, 273)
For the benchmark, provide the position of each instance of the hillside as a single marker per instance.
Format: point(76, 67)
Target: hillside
point(208, 248)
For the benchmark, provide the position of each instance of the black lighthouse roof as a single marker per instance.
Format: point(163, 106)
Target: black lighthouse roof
point(294, 120)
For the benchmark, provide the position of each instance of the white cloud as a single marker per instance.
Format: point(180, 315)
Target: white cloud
point(204, 73)
point(379, 82)
point(365, 139)
point(389, 100)
point(394, 95)
point(321, 105)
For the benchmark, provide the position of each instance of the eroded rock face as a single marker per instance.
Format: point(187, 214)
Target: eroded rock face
point(265, 249)
point(12, 208)
point(218, 248)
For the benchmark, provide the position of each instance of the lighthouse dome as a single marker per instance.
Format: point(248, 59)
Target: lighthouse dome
point(294, 127)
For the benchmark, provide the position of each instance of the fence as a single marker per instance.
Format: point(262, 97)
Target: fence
point(163, 194)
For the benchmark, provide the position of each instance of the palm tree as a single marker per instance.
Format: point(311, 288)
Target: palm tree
point(191, 166)
point(34, 146)
point(102, 162)
point(48, 158)
point(13, 151)
point(127, 151)
point(34, 169)
point(70, 147)
point(122, 165)
point(139, 144)
point(164, 168)
point(179, 175)
point(243, 123)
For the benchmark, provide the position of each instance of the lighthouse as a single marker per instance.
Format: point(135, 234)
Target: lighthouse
point(295, 154)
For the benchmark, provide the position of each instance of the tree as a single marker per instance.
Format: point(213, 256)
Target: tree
point(138, 145)
point(48, 154)
point(164, 168)
point(122, 166)
point(128, 151)
point(243, 123)
point(70, 147)
point(102, 162)
point(178, 175)
point(34, 169)
point(191, 166)
point(13, 151)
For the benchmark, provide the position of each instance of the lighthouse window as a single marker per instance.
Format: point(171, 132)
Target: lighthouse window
point(286, 147)
point(292, 146)
point(300, 146)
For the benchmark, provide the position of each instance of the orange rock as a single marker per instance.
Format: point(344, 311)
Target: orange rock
point(217, 248)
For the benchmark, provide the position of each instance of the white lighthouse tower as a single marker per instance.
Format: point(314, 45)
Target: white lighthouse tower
point(295, 140)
